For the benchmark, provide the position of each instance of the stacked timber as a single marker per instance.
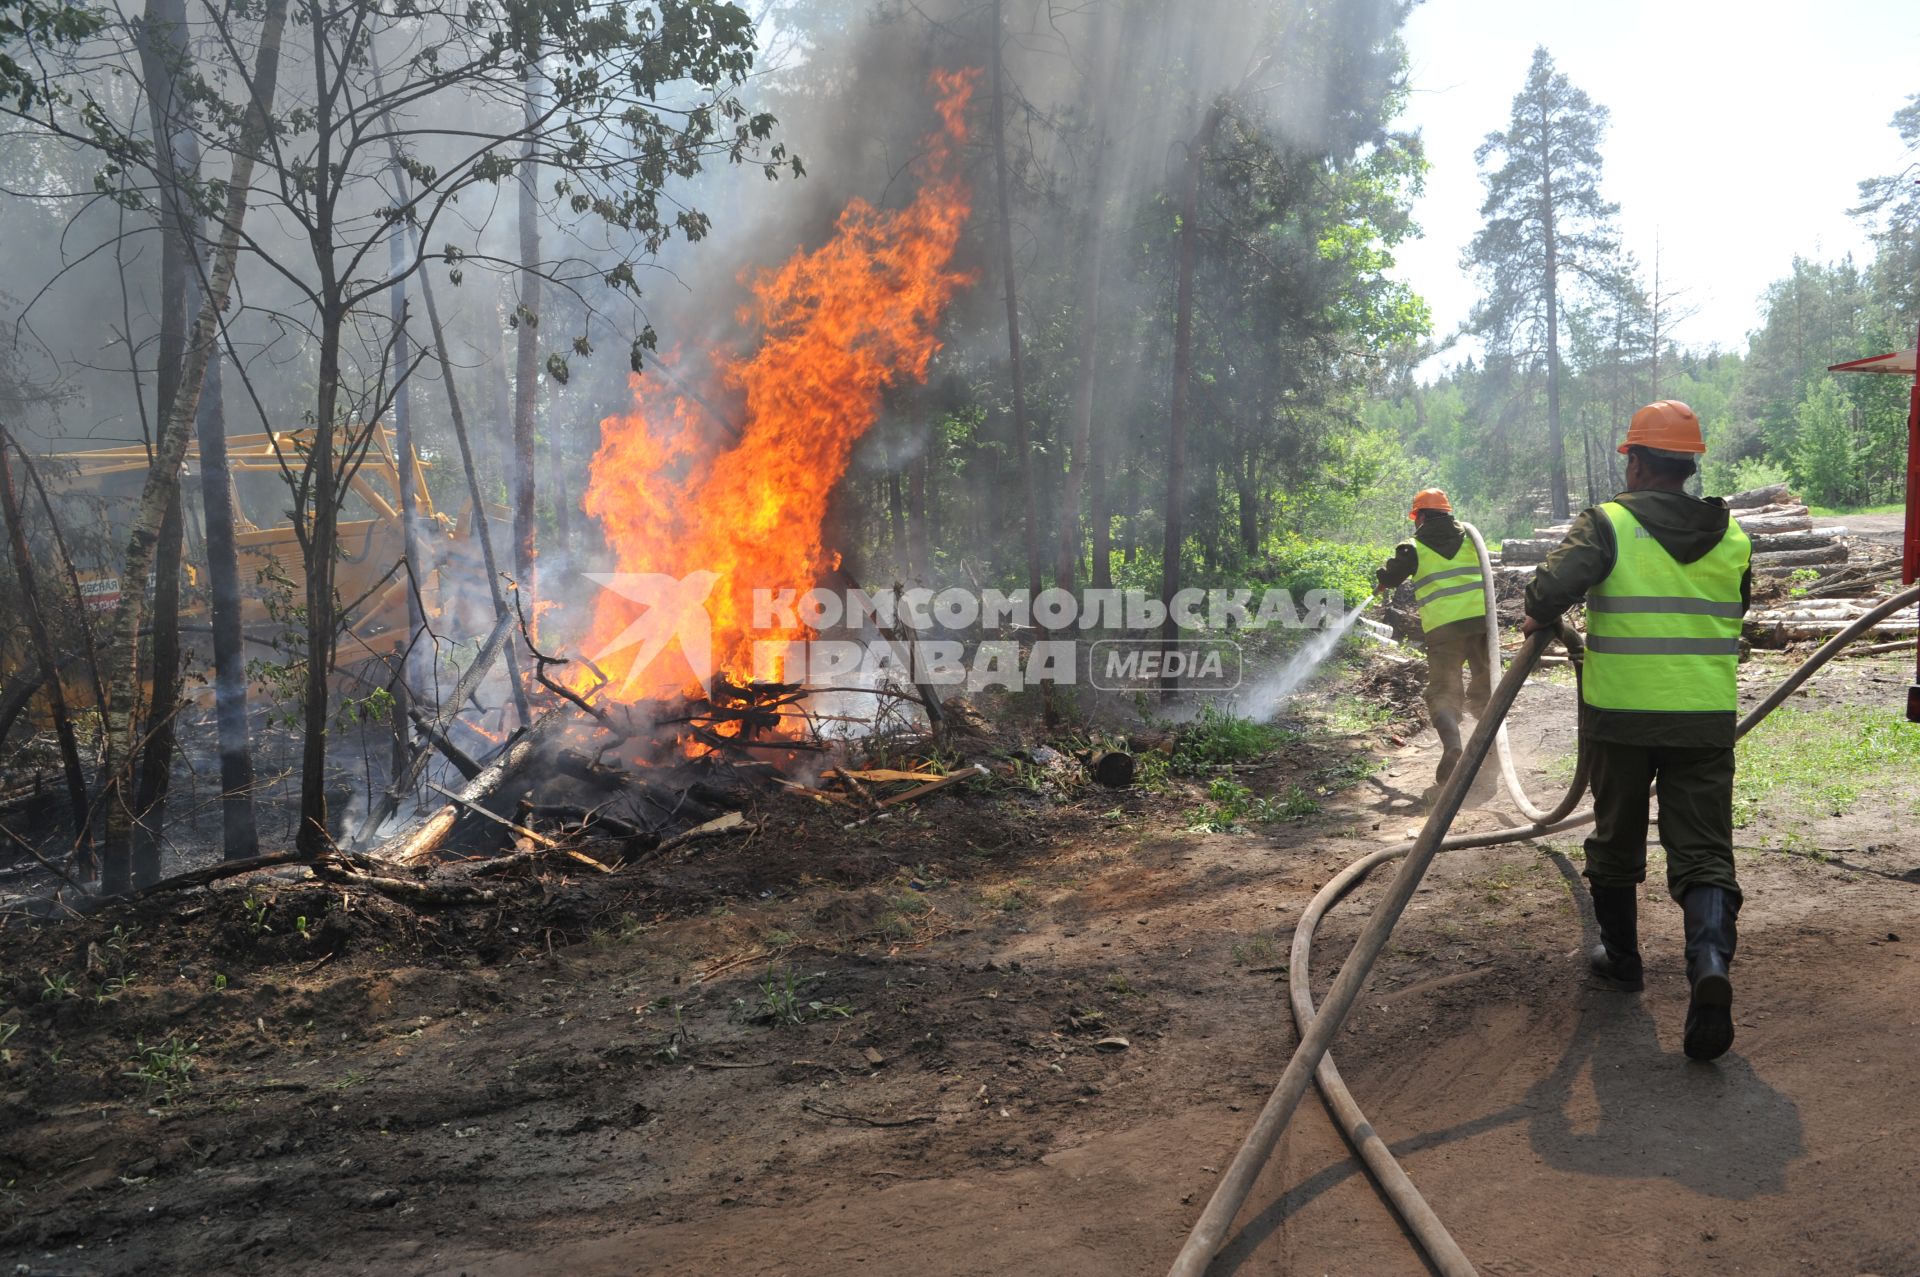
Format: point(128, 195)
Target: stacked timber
point(1810, 620)
point(1780, 525)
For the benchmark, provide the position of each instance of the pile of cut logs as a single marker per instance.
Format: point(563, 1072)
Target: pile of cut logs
point(1781, 526)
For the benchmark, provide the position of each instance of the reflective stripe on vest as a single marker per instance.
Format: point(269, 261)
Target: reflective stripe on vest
point(1447, 589)
point(1664, 636)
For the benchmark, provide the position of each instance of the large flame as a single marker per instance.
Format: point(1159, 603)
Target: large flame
point(831, 329)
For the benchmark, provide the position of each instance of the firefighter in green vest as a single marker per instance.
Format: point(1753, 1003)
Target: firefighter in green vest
point(1666, 578)
point(1450, 591)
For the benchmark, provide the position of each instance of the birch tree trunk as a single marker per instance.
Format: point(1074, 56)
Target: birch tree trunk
point(169, 451)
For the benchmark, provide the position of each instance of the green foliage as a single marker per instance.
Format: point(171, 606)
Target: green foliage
point(1301, 565)
point(1823, 456)
point(39, 31)
point(375, 707)
point(1231, 805)
point(1218, 738)
point(166, 1067)
point(783, 1000)
point(1721, 477)
point(256, 911)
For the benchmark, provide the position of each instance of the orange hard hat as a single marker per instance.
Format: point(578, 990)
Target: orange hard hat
point(1665, 426)
point(1429, 499)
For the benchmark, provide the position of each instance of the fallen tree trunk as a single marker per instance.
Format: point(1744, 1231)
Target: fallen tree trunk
point(1777, 523)
point(1778, 635)
point(1521, 550)
point(423, 837)
point(1783, 542)
point(1880, 649)
point(449, 710)
point(1755, 520)
point(1772, 494)
point(1833, 553)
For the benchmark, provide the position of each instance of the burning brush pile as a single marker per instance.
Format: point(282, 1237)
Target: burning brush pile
point(712, 491)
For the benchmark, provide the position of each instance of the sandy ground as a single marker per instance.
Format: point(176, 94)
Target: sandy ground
point(1041, 1071)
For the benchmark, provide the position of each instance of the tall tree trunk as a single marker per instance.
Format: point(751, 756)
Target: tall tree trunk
point(311, 837)
point(1099, 517)
point(1176, 490)
point(527, 351)
point(162, 50)
point(1247, 494)
point(163, 706)
point(240, 836)
point(169, 450)
point(918, 496)
point(1022, 447)
point(896, 511)
point(1080, 441)
point(1556, 443)
point(43, 646)
point(413, 542)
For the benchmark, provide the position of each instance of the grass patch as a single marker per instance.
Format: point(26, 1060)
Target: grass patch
point(1231, 805)
point(1347, 773)
point(1353, 716)
point(1842, 511)
point(1822, 760)
point(1257, 950)
point(1217, 738)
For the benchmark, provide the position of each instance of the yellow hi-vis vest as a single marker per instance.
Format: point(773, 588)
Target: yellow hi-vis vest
point(1664, 636)
point(1446, 589)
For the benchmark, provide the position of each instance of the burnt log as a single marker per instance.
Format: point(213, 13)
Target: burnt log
point(422, 837)
point(1112, 768)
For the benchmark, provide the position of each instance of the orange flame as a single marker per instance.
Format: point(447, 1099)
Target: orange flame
point(835, 325)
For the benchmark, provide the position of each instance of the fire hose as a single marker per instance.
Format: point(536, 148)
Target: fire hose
point(1319, 1026)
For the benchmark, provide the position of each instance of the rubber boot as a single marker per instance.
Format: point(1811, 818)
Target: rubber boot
point(1616, 959)
point(1710, 913)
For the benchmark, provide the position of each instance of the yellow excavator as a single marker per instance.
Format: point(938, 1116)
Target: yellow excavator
point(100, 486)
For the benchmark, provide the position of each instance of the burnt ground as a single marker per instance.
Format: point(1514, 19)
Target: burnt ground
point(1013, 1029)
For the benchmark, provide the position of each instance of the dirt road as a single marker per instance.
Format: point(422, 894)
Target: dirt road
point(1031, 1045)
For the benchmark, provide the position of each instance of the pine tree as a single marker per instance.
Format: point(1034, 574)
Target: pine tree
point(1546, 222)
point(1893, 204)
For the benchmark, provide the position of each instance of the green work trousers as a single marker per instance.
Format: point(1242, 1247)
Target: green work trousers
point(1451, 649)
point(1695, 787)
